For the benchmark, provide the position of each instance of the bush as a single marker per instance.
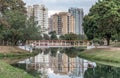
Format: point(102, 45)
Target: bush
point(116, 44)
point(98, 41)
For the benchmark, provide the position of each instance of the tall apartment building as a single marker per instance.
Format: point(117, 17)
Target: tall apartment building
point(62, 23)
point(78, 15)
point(50, 25)
point(53, 23)
point(40, 14)
point(29, 11)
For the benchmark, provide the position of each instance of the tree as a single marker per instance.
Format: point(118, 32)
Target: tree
point(46, 37)
point(70, 52)
point(53, 51)
point(101, 20)
point(52, 32)
point(53, 35)
point(81, 37)
point(20, 28)
point(70, 36)
point(31, 30)
point(117, 26)
point(16, 21)
point(12, 20)
point(6, 5)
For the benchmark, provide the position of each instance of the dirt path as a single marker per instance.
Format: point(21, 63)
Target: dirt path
point(8, 49)
point(110, 48)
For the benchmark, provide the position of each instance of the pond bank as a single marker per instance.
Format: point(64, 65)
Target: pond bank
point(9, 54)
point(7, 71)
point(108, 56)
point(13, 51)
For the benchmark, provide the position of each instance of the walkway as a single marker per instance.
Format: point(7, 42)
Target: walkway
point(57, 43)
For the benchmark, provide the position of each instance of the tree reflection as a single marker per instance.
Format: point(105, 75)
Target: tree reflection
point(72, 51)
point(37, 50)
point(53, 51)
point(102, 71)
point(46, 51)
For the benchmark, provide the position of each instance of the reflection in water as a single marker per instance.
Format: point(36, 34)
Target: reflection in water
point(57, 62)
point(102, 71)
point(71, 52)
point(53, 51)
point(62, 63)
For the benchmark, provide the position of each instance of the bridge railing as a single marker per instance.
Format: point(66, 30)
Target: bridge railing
point(57, 42)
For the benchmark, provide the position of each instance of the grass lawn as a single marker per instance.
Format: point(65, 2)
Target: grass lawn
point(109, 56)
point(7, 71)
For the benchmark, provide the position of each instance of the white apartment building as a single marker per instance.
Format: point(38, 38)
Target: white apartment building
point(40, 14)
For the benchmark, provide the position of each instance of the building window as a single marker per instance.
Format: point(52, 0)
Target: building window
point(59, 68)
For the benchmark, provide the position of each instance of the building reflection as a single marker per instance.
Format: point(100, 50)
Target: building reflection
point(60, 64)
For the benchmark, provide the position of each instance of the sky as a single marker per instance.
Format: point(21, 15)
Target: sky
point(55, 6)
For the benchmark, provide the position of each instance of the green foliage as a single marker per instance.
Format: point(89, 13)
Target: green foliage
point(98, 41)
point(53, 51)
point(6, 5)
point(53, 35)
point(46, 37)
point(12, 20)
point(31, 30)
point(116, 44)
point(102, 71)
point(70, 36)
point(72, 51)
point(103, 20)
point(82, 37)
point(16, 21)
point(52, 32)
point(14, 25)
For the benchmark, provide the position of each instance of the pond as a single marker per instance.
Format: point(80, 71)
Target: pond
point(64, 63)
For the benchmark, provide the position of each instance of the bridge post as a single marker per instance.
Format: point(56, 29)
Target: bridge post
point(88, 43)
point(65, 43)
point(61, 42)
point(39, 42)
point(48, 42)
point(73, 43)
point(78, 43)
point(52, 43)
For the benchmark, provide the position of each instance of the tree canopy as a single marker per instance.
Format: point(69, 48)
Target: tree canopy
point(12, 5)
point(70, 36)
point(53, 35)
point(103, 20)
point(15, 27)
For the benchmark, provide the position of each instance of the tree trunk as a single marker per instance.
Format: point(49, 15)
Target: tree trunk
point(16, 42)
point(108, 41)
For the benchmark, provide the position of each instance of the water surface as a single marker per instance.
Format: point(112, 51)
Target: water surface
point(65, 63)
